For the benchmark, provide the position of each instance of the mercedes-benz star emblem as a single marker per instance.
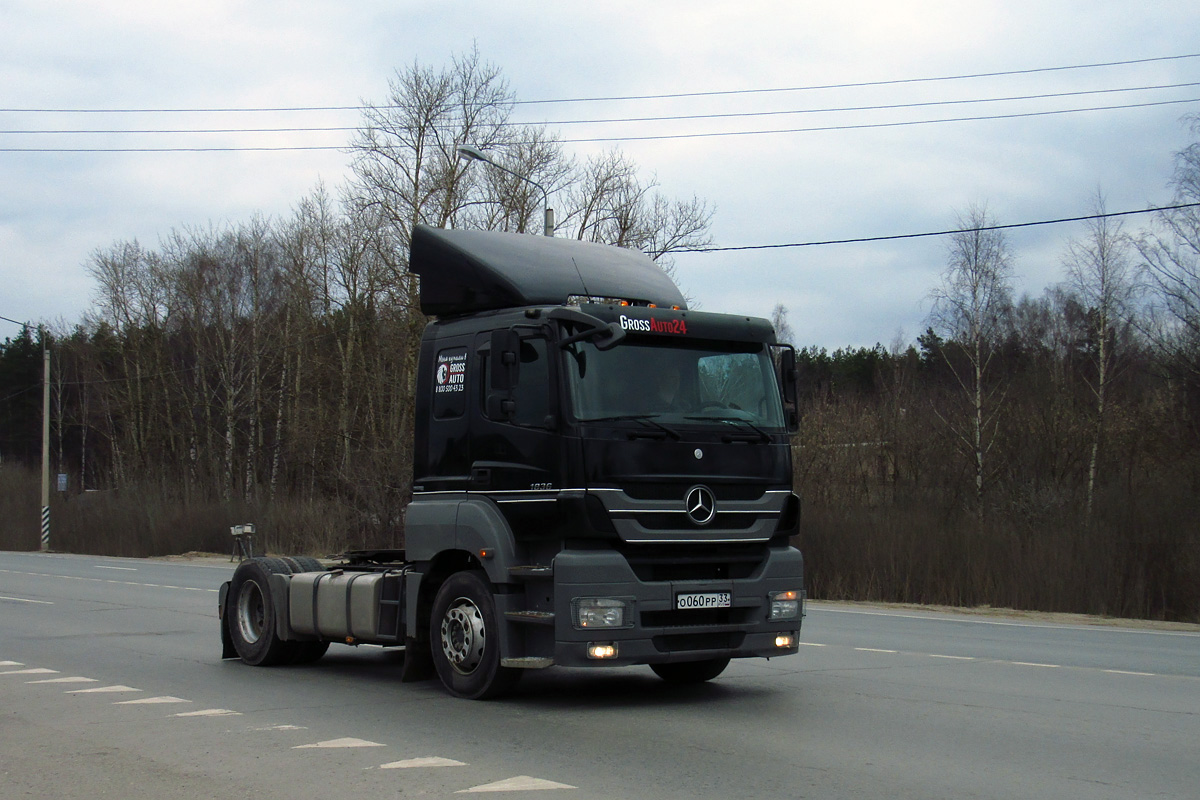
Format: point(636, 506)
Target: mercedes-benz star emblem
point(701, 505)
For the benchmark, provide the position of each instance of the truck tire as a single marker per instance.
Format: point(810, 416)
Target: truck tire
point(685, 672)
point(465, 638)
point(251, 613)
point(303, 564)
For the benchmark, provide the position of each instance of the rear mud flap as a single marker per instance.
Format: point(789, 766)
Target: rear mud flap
point(227, 648)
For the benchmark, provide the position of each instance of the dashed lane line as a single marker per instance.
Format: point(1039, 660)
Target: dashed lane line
point(151, 701)
point(110, 580)
point(26, 600)
point(125, 569)
point(935, 617)
point(209, 712)
point(281, 728)
point(339, 743)
point(433, 761)
point(521, 783)
point(1035, 664)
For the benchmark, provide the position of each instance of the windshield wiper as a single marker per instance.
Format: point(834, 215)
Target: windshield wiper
point(759, 434)
point(643, 418)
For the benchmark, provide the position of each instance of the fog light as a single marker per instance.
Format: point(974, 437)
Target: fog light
point(785, 640)
point(600, 612)
point(602, 650)
point(785, 605)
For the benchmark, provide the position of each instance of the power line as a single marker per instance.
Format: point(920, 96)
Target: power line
point(667, 118)
point(867, 125)
point(662, 96)
point(863, 84)
point(599, 139)
point(900, 236)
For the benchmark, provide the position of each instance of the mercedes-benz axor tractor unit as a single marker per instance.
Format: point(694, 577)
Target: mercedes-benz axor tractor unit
point(601, 478)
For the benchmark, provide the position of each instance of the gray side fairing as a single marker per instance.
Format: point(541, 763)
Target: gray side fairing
point(439, 521)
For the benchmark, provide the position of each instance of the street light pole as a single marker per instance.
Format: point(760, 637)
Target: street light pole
point(45, 444)
point(475, 154)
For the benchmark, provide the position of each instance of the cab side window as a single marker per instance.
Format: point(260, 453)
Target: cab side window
point(532, 393)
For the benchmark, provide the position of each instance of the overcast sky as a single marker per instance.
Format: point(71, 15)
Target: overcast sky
point(801, 186)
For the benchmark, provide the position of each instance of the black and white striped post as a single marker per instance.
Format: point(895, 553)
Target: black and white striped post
point(45, 446)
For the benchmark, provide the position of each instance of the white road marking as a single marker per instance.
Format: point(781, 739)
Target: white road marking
point(335, 743)
point(72, 679)
point(874, 650)
point(25, 600)
point(521, 783)
point(1032, 664)
point(210, 712)
point(11, 664)
point(954, 658)
point(423, 762)
point(115, 689)
point(931, 618)
point(108, 580)
point(151, 700)
point(811, 644)
point(30, 671)
point(126, 569)
point(281, 728)
point(1128, 672)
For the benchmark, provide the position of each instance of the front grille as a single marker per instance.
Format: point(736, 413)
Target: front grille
point(651, 563)
point(682, 522)
point(698, 616)
point(682, 642)
point(724, 492)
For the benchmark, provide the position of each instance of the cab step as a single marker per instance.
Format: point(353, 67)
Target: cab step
point(537, 617)
point(532, 571)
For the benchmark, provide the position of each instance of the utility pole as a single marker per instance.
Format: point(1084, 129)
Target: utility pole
point(45, 444)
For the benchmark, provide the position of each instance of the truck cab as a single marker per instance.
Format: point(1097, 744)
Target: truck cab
point(602, 477)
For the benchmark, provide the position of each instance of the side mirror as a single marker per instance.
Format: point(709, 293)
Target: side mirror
point(505, 360)
point(504, 368)
point(788, 381)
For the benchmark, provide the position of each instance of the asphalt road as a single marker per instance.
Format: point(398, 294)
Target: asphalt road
point(111, 685)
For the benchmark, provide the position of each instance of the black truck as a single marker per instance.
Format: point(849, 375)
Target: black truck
point(602, 477)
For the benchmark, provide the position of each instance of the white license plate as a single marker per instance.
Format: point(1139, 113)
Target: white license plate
point(690, 600)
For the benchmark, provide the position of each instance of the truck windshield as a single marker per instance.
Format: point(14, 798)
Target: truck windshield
point(697, 383)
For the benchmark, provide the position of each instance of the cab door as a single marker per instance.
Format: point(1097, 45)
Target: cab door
point(514, 445)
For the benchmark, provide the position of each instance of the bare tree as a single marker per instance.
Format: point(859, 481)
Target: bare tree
point(405, 158)
point(779, 321)
point(610, 204)
point(1100, 271)
point(1171, 263)
point(970, 307)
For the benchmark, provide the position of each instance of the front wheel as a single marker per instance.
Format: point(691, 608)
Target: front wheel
point(466, 641)
point(685, 672)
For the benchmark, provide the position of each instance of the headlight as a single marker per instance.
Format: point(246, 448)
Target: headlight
point(600, 612)
point(785, 605)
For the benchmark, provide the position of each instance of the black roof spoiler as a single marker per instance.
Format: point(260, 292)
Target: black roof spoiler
point(464, 271)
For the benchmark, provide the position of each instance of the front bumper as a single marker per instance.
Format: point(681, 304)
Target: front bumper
point(655, 631)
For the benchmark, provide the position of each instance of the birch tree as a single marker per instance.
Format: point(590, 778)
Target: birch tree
point(970, 306)
point(1100, 271)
